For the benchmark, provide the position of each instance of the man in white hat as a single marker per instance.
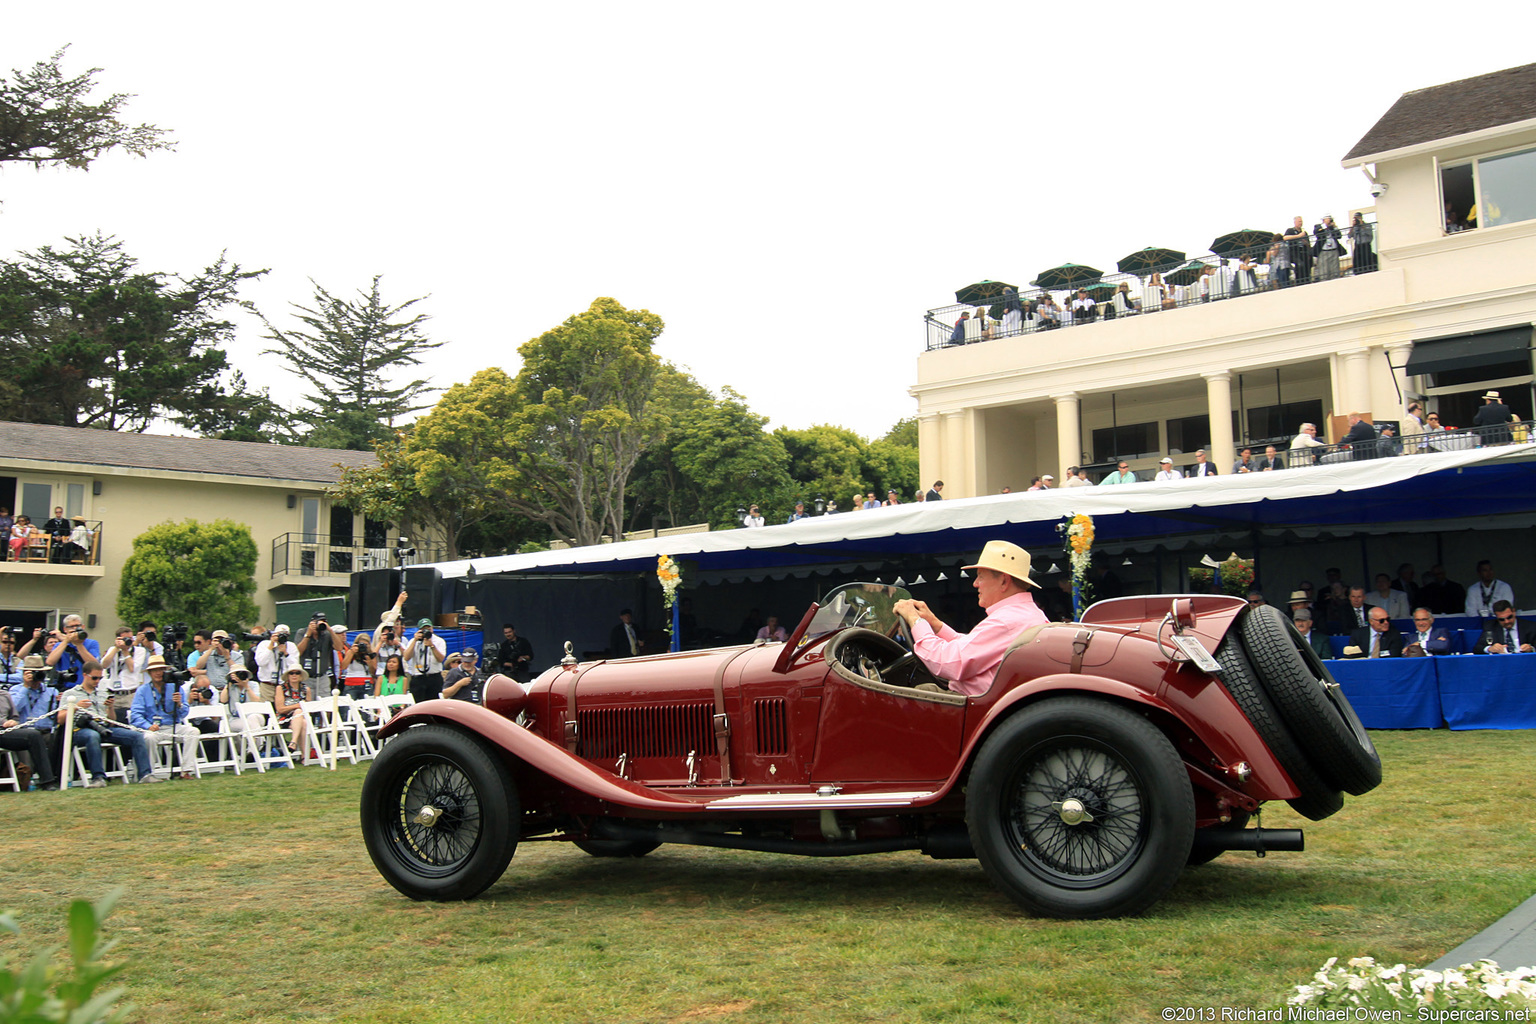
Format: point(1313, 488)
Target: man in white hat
point(159, 710)
point(970, 660)
point(1492, 420)
point(1166, 472)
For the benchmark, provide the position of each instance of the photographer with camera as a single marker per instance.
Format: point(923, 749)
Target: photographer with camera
point(26, 722)
point(514, 656)
point(317, 651)
point(158, 701)
point(74, 650)
point(10, 661)
point(274, 656)
point(359, 667)
point(464, 680)
point(93, 725)
point(424, 656)
point(174, 638)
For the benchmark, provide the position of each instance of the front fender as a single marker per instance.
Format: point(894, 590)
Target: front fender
point(539, 754)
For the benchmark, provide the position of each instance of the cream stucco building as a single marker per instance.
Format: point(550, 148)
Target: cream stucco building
point(1446, 315)
point(124, 483)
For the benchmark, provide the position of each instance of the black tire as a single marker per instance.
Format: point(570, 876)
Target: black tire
point(1128, 778)
point(615, 847)
point(467, 844)
point(1198, 856)
point(1311, 701)
point(1318, 799)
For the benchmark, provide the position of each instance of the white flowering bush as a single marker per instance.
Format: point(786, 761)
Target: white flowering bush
point(1363, 982)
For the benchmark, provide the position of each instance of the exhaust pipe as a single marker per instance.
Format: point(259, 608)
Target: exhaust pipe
point(1250, 840)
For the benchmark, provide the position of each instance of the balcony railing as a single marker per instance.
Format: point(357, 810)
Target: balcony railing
point(1449, 440)
point(39, 548)
point(314, 554)
point(1236, 275)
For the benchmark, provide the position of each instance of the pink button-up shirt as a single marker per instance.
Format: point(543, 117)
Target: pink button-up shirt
point(970, 660)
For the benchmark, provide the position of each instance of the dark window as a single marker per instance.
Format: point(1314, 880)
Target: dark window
point(341, 526)
point(1189, 434)
point(1284, 420)
point(375, 533)
point(1127, 441)
point(1476, 375)
point(1456, 187)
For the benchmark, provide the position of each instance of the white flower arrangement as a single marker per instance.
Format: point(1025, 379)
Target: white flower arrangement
point(1364, 982)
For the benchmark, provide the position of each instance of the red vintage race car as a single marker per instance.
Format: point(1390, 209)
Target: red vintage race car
point(1107, 755)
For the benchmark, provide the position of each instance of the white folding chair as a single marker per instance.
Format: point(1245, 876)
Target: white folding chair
point(114, 764)
point(223, 740)
point(332, 734)
point(8, 776)
point(264, 740)
point(372, 713)
point(972, 330)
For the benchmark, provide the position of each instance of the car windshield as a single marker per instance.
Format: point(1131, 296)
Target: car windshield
point(867, 605)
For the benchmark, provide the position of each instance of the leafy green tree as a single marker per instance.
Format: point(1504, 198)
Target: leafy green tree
point(825, 461)
point(235, 412)
point(89, 340)
point(202, 574)
point(903, 432)
point(348, 356)
point(47, 119)
point(888, 465)
point(577, 420)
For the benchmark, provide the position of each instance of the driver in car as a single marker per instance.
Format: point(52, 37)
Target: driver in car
point(970, 660)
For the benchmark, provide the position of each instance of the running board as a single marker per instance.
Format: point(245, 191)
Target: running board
point(816, 801)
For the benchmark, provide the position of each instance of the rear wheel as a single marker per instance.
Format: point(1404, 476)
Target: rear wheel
point(1078, 808)
point(439, 814)
point(1314, 706)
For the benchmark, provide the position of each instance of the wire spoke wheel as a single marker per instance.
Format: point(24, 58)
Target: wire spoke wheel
point(1080, 808)
point(1077, 847)
point(439, 814)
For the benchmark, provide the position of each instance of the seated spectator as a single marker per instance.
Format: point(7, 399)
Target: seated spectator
point(392, 681)
point(1360, 438)
point(870, 501)
point(1387, 445)
point(159, 701)
point(987, 323)
point(464, 679)
point(21, 531)
point(239, 688)
point(1352, 614)
point(1084, 308)
point(289, 703)
point(1315, 638)
point(1442, 596)
point(957, 336)
point(1271, 460)
point(1047, 313)
point(772, 631)
point(798, 514)
point(79, 544)
point(1506, 634)
point(1123, 303)
point(1378, 639)
point(1426, 638)
point(1034, 485)
point(1485, 594)
point(1245, 463)
point(1300, 601)
point(28, 726)
point(1256, 598)
point(1247, 280)
point(1076, 477)
point(95, 723)
point(1394, 601)
point(1166, 472)
point(1406, 583)
point(1155, 295)
point(892, 498)
point(1202, 466)
point(1305, 438)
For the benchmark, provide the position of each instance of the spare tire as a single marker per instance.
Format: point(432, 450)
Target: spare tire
point(1311, 702)
point(1318, 799)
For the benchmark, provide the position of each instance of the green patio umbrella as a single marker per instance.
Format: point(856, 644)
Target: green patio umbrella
point(1149, 259)
point(1189, 273)
point(1234, 242)
point(982, 292)
point(1068, 275)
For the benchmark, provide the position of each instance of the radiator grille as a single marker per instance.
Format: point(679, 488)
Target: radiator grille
point(772, 727)
point(668, 731)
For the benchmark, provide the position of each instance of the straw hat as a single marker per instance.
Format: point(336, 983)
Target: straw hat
point(1299, 595)
point(1491, 394)
point(1006, 558)
point(155, 661)
point(303, 675)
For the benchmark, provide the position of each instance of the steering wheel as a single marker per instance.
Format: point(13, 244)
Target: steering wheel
point(900, 663)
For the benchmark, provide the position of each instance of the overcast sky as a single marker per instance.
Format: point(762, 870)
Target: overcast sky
point(788, 187)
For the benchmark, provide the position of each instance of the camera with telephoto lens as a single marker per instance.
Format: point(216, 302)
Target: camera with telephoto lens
point(226, 643)
point(252, 638)
point(206, 692)
point(175, 633)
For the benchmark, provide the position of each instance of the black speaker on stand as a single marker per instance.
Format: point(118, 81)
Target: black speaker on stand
point(423, 594)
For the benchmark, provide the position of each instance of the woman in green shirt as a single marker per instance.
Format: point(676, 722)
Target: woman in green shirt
point(392, 682)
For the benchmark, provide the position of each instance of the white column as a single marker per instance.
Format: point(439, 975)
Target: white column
point(930, 451)
point(1218, 403)
point(1355, 382)
point(952, 468)
point(1069, 440)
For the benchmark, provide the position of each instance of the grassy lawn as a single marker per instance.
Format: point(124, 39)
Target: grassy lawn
point(253, 899)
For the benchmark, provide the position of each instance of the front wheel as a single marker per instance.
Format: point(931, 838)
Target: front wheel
point(1078, 808)
point(439, 814)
